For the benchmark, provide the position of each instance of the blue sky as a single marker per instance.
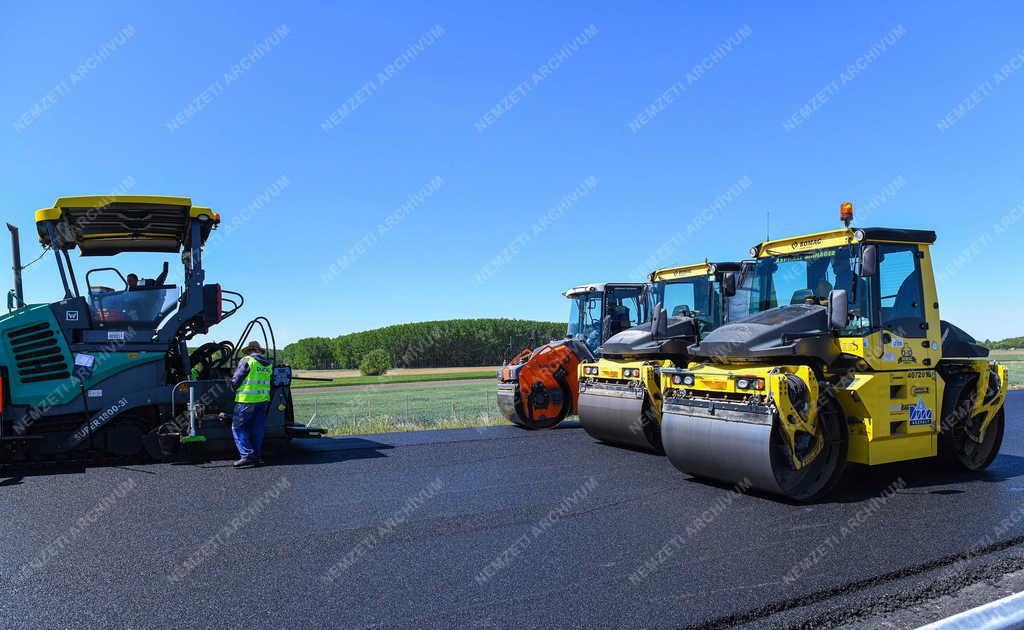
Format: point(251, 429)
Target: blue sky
point(494, 117)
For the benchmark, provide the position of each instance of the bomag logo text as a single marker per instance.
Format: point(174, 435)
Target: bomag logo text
point(814, 242)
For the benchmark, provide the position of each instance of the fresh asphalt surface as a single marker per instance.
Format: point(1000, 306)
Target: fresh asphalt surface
point(572, 519)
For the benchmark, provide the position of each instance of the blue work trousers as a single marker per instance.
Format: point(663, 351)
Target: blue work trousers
point(247, 427)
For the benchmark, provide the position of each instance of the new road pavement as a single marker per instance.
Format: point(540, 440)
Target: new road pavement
point(495, 527)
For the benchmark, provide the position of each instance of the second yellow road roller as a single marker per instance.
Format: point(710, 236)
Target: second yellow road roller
point(620, 393)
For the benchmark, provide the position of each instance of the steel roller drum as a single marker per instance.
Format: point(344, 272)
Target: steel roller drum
point(507, 394)
point(616, 415)
point(713, 443)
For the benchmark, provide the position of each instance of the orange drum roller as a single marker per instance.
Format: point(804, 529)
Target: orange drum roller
point(539, 387)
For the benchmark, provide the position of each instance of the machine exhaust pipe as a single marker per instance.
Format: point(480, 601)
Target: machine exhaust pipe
point(19, 292)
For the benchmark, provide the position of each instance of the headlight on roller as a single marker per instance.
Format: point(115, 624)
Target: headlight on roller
point(688, 380)
point(749, 383)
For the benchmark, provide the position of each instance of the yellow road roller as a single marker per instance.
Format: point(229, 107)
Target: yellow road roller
point(843, 358)
point(620, 394)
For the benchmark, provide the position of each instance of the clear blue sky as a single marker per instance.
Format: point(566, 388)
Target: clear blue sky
point(113, 123)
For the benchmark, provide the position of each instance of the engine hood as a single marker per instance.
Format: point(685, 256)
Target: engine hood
point(639, 343)
point(799, 330)
point(957, 343)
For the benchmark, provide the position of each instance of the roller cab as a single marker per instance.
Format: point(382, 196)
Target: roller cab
point(841, 359)
point(620, 399)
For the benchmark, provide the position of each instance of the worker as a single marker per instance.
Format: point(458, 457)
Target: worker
point(133, 282)
point(251, 382)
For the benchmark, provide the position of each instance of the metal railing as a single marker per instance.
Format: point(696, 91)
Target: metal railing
point(1001, 614)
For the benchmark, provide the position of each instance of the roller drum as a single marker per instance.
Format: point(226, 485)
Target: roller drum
point(735, 442)
point(508, 398)
point(618, 416)
point(722, 450)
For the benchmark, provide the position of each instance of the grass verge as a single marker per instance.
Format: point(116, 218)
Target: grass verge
point(367, 426)
point(373, 409)
point(401, 378)
point(1013, 359)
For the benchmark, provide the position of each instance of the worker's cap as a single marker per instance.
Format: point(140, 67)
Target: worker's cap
point(254, 347)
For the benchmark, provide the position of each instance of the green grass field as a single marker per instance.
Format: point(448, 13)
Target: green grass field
point(371, 409)
point(1013, 359)
point(399, 378)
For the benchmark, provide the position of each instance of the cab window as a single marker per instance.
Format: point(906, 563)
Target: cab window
point(116, 303)
point(626, 308)
point(901, 302)
point(680, 299)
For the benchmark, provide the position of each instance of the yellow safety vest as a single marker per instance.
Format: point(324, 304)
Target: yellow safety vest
point(256, 386)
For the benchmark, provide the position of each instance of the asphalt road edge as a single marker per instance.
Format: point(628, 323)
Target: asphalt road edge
point(974, 569)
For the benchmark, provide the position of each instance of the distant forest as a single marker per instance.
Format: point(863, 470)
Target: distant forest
point(447, 343)
point(1013, 343)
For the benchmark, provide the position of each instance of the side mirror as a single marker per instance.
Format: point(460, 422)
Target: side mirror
point(838, 309)
point(729, 284)
point(869, 261)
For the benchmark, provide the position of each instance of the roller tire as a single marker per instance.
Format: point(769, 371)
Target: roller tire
point(652, 427)
point(963, 453)
point(537, 425)
point(821, 476)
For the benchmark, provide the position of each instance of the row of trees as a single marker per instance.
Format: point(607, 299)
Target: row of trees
point(448, 343)
point(1013, 343)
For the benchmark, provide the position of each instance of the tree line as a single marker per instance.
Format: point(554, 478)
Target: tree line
point(435, 344)
point(1013, 343)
